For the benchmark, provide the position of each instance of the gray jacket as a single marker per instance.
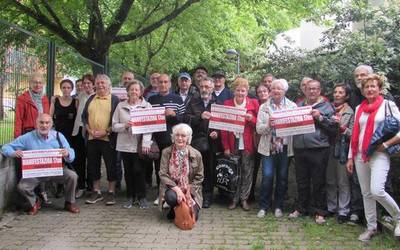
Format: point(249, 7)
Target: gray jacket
point(323, 129)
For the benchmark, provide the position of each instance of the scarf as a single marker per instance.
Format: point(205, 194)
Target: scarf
point(179, 171)
point(340, 108)
point(371, 109)
point(37, 99)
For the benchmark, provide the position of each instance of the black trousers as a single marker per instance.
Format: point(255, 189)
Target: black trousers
point(80, 160)
point(95, 150)
point(310, 165)
point(134, 173)
point(149, 170)
point(209, 174)
point(257, 161)
point(172, 200)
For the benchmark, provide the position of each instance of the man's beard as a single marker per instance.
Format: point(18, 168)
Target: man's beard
point(205, 95)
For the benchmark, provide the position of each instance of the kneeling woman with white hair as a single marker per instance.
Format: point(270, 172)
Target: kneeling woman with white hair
point(181, 172)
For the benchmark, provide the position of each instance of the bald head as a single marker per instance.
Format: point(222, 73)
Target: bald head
point(44, 123)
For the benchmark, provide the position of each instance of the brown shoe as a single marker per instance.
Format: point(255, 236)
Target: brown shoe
point(232, 205)
point(71, 207)
point(35, 209)
point(245, 205)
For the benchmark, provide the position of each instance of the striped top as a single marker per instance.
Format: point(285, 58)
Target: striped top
point(174, 102)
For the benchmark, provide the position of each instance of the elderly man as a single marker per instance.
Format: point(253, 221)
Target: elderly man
point(174, 111)
point(29, 105)
point(44, 138)
point(221, 92)
point(97, 117)
point(198, 116)
point(126, 78)
point(311, 152)
point(152, 89)
point(185, 88)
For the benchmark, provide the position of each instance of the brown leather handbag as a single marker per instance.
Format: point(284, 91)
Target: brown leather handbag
point(185, 218)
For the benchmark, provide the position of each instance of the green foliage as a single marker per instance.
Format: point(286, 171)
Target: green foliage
point(374, 40)
point(200, 35)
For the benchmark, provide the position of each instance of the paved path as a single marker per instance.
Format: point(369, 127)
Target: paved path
point(113, 227)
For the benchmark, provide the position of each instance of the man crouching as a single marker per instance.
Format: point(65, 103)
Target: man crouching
point(43, 137)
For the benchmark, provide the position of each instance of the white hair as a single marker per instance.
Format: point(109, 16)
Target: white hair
point(182, 127)
point(104, 77)
point(366, 67)
point(282, 82)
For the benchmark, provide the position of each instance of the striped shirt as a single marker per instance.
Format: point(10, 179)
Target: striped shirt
point(171, 101)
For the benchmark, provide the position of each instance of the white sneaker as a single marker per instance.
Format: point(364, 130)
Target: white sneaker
point(397, 229)
point(367, 235)
point(165, 205)
point(155, 203)
point(261, 213)
point(278, 213)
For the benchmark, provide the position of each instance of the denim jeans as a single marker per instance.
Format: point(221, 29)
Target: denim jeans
point(272, 165)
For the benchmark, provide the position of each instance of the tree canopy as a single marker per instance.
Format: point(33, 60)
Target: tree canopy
point(166, 35)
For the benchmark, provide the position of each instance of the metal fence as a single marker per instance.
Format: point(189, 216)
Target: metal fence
point(23, 53)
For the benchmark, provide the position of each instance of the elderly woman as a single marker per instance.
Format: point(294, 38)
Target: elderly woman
point(372, 170)
point(127, 144)
point(337, 178)
point(242, 143)
point(274, 150)
point(181, 172)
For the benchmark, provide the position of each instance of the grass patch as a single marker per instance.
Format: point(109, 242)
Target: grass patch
point(257, 244)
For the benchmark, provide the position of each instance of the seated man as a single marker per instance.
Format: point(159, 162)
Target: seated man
point(44, 138)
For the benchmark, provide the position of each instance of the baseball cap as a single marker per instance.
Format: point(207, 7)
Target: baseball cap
point(219, 73)
point(184, 75)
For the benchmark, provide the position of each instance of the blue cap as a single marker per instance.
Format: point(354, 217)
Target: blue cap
point(184, 75)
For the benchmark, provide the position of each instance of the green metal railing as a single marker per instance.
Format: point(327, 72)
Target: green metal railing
point(23, 53)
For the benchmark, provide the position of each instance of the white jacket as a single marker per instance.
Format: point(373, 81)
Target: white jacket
point(126, 141)
point(263, 128)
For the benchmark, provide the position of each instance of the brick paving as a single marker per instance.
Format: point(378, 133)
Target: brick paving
point(114, 227)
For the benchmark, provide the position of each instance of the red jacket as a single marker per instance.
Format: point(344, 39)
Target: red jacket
point(26, 113)
point(228, 138)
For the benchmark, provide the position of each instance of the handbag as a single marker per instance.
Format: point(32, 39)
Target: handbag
point(227, 173)
point(200, 143)
point(384, 131)
point(154, 152)
point(184, 216)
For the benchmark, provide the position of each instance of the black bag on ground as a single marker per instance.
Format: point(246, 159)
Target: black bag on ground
point(227, 173)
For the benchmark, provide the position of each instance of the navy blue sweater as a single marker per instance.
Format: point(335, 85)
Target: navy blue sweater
point(174, 102)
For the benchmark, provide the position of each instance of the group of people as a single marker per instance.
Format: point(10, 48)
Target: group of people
point(334, 173)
